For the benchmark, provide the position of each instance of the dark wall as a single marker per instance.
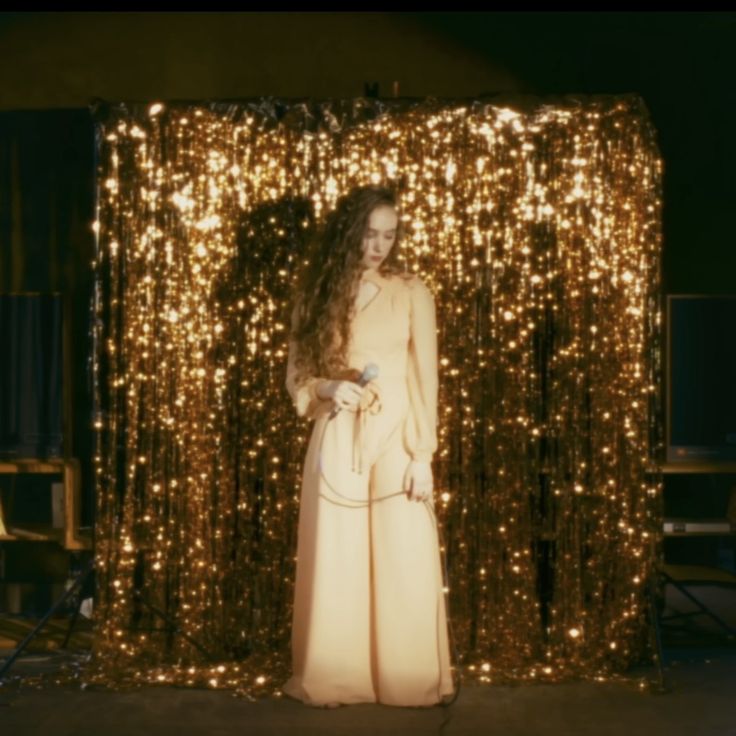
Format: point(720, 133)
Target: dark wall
point(64, 59)
point(682, 64)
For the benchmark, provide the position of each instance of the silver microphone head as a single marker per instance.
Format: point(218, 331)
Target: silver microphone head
point(370, 372)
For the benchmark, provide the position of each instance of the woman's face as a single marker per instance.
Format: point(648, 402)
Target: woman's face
point(379, 236)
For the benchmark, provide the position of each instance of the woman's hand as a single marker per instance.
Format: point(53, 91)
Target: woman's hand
point(344, 394)
point(418, 481)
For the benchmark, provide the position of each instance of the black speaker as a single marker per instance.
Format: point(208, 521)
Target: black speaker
point(31, 375)
point(701, 378)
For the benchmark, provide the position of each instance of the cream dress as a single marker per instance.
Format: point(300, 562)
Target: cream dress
point(369, 617)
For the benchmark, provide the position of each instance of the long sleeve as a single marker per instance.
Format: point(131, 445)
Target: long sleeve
point(304, 396)
point(422, 376)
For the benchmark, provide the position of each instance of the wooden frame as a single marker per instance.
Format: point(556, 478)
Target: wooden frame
point(68, 466)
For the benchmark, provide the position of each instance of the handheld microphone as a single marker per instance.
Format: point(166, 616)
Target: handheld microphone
point(369, 373)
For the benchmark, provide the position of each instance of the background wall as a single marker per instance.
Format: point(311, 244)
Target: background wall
point(682, 64)
point(62, 59)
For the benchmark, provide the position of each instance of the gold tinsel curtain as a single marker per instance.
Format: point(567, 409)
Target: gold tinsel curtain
point(537, 226)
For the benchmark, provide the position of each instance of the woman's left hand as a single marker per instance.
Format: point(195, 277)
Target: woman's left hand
point(418, 481)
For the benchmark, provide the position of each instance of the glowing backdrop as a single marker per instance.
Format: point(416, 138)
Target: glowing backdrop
point(537, 226)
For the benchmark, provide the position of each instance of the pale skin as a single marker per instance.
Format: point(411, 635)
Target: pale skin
point(379, 238)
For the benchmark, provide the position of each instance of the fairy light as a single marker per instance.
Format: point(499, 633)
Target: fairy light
point(539, 234)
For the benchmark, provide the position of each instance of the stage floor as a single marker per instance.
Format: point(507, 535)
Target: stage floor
point(699, 703)
point(700, 671)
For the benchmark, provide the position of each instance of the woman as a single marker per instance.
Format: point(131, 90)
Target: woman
point(369, 619)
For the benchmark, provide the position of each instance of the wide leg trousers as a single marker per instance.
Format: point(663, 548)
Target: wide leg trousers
point(369, 618)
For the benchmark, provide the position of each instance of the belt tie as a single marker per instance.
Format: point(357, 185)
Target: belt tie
point(370, 403)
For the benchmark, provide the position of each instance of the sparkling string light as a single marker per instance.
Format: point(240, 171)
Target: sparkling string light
point(539, 232)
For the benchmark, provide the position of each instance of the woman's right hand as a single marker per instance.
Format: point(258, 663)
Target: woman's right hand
point(344, 394)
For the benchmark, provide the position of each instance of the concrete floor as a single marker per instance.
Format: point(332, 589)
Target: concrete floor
point(700, 671)
point(700, 702)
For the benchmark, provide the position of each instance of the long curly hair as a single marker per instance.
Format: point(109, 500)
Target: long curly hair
point(326, 287)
